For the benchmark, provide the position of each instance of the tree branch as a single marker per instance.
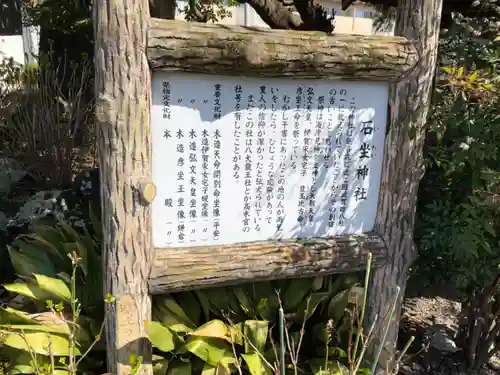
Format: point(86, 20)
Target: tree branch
point(275, 14)
point(313, 16)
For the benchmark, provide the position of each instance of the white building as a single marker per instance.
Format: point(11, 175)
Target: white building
point(358, 19)
point(16, 41)
point(22, 43)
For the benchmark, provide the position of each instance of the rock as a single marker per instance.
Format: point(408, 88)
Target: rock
point(39, 206)
point(441, 340)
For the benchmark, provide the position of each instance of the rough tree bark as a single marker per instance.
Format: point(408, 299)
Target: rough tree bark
point(417, 20)
point(122, 84)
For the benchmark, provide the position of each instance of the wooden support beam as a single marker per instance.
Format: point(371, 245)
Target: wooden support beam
point(201, 267)
point(122, 89)
point(410, 100)
point(233, 50)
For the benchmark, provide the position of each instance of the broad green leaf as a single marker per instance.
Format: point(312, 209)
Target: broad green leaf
point(30, 290)
point(39, 342)
point(8, 315)
point(211, 350)
point(256, 365)
point(214, 328)
point(161, 337)
point(212, 370)
point(236, 332)
point(255, 332)
point(56, 287)
point(310, 304)
point(61, 329)
point(190, 306)
point(179, 367)
point(296, 292)
point(337, 306)
point(204, 303)
point(160, 365)
point(317, 283)
point(172, 321)
point(169, 303)
point(244, 300)
point(27, 261)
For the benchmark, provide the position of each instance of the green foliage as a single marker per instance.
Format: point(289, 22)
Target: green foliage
point(60, 269)
point(458, 214)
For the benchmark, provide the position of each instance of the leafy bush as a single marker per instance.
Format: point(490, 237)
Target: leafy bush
point(42, 126)
point(458, 216)
point(57, 329)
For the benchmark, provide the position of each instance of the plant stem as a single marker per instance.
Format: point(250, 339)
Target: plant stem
point(363, 306)
point(388, 324)
point(282, 340)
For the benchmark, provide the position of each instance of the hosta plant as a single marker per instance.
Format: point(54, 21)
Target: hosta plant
point(57, 330)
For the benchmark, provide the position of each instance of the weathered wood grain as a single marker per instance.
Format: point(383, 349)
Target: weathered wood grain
point(122, 87)
point(403, 165)
point(233, 50)
point(177, 269)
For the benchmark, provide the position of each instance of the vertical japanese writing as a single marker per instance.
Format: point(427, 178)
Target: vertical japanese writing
point(193, 161)
point(334, 141)
point(217, 105)
point(217, 181)
point(344, 191)
point(280, 209)
point(205, 147)
point(259, 180)
point(238, 91)
point(247, 198)
point(181, 213)
point(318, 130)
point(166, 91)
point(271, 178)
point(296, 141)
point(362, 171)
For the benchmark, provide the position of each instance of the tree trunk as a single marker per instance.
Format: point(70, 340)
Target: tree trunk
point(417, 20)
point(122, 84)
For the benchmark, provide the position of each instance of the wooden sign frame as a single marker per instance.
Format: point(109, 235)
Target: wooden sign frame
point(128, 43)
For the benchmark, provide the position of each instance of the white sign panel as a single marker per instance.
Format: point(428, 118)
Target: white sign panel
point(244, 159)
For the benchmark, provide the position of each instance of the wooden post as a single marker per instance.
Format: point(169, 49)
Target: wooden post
point(417, 20)
point(123, 118)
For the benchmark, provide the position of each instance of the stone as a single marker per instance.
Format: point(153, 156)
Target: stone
point(441, 341)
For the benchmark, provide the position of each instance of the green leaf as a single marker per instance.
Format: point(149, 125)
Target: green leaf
point(214, 328)
point(236, 332)
point(310, 305)
point(333, 367)
point(255, 332)
point(61, 329)
point(244, 300)
point(191, 306)
point(8, 315)
point(161, 337)
point(212, 370)
point(39, 342)
point(169, 303)
point(337, 306)
point(295, 293)
point(179, 367)
point(56, 287)
point(27, 260)
point(211, 350)
point(204, 303)
point(160, 365)
point(256, 365)
point(30, 290)
point(162, 314)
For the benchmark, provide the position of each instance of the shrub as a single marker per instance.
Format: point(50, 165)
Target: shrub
point(458, 213)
